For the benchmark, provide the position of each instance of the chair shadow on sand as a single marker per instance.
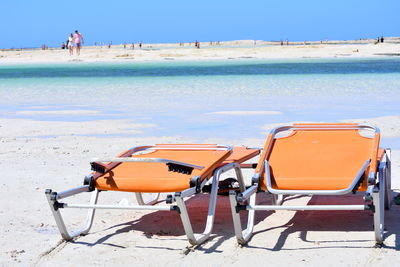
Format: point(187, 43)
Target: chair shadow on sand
point(165, 223)
point(344, 221)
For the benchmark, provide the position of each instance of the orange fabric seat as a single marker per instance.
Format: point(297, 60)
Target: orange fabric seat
point(318, 159)
point(155, 177)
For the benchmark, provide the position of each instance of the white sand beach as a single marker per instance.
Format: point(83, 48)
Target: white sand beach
point(241, 49)
point(38, 155)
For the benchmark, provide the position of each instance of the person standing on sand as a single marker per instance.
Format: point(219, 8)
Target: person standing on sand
point(78, 40)
point(70, 45)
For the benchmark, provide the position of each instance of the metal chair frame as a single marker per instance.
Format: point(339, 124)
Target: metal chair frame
point(377, 197)
point(54, 199)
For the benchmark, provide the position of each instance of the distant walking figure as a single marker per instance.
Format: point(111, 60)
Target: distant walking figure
point(78, 40)
point(70, 45)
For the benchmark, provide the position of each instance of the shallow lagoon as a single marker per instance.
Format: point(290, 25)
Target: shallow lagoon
point(230, 99)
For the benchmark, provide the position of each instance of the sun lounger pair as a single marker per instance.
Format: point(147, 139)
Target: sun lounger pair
point(302, 159)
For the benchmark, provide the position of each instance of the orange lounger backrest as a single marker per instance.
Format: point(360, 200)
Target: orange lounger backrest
point(155, 177)
point(318, 157)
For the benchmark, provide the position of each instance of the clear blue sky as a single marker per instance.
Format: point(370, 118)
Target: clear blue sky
point(30, 23)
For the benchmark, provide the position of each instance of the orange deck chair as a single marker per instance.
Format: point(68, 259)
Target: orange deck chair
point(318, 159)
point(183, 169)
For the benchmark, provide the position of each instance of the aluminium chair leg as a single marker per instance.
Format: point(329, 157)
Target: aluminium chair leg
point(187, 226)
point(242, 236)
point(140, 201)
point(239, 176)
point(388, 180)
point(381, 197)
point(197, 239)
point(277, 199)
point(378, 196)
point(60, 221)
point(91, 212)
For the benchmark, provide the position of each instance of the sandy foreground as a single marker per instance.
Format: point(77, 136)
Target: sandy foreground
point(36, 155)
point(226, 50)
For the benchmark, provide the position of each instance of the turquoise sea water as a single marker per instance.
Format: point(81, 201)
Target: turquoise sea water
point(181, 98)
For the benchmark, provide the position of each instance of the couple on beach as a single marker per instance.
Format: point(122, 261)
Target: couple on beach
point(76, 39)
